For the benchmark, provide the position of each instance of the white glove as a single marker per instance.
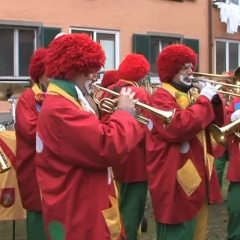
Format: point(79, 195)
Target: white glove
point(209, 91)
point(202, 84)
point(236, 115)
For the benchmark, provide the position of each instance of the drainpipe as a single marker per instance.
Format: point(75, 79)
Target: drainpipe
point(210, 35)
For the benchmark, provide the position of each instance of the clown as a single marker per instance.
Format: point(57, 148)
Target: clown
point(233, 173)
point(220, 152)
point(181, 176)
point(130, 174)
point(75, 151)
point(27, 111)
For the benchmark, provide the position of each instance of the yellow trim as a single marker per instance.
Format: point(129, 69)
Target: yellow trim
point(201, 222)
point(188, 177)
point(130, 82)
point(182, 98)
point(209, 159)
point(36, 89)
point(112, 219)
point(53, 89)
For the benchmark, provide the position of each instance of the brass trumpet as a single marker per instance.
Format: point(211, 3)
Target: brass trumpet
point(223, 82)
point(108, 105)
point(231, 83)
point(220, 134)
point(3, 162)
point(146, 83)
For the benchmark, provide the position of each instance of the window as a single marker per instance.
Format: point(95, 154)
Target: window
point(150, 45)
point(17, 46)
point(156, 46)
point(227, 57)
point(109, 41)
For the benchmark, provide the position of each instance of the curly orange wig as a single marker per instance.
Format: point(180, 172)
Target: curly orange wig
point(172, 58)
point(72, 54)
point(134, 67)
point(110, 77)
point(37, 64)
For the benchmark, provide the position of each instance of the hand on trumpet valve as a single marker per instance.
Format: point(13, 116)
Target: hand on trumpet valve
point(235, 116)
point(209, 91)
point(126, 99)
point(201, 84)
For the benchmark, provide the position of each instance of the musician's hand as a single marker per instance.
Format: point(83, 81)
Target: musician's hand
point(202, 84)
point(209, 91)
point(236, 115)
point(126, 99)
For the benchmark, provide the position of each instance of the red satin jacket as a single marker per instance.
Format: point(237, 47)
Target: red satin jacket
point(233, 173)
point(177, 173)
point(74, 153)
point(24, 163)
point(132, 168)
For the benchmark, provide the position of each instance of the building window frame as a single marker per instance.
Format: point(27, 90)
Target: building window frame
point(226, 41)
point(94, 37)
point(16, 27)
point(161, 36)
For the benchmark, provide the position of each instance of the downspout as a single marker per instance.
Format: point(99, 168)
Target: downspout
point(210, 35)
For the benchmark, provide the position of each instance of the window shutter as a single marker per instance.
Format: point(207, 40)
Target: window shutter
point(194, 45)
point(141, 45)
point(48, 34)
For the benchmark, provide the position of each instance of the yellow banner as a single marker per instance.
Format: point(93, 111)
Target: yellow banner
point(10, 201)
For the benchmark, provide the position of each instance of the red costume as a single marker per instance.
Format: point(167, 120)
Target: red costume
point(131, 70)
point(130, 173)
point(233, 174)
point(26, 123)
point(179, 162)
point(109, 78)
point(75, 150)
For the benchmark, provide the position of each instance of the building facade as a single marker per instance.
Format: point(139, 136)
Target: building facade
point(121, 27)
point(226, 47)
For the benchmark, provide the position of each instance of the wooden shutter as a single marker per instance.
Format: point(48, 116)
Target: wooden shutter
point(48, 34)
point(194, 45)
point(141, 45)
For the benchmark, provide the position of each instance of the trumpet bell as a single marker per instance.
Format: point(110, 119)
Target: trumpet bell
point(218, 134)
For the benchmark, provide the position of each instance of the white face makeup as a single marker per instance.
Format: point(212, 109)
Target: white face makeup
point(185, 80)
point(184, 74)
point(88, 85)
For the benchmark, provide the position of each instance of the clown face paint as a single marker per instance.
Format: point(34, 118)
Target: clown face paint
point(88, 86)
point(184, 74)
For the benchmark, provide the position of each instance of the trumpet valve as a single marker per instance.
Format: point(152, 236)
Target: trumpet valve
point(107, 105)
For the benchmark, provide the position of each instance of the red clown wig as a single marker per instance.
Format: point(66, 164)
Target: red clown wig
point(72, 54)
point(230, 73)
point(37, 64)
point(172, 58)
point(110, 77)
point(134, 67)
